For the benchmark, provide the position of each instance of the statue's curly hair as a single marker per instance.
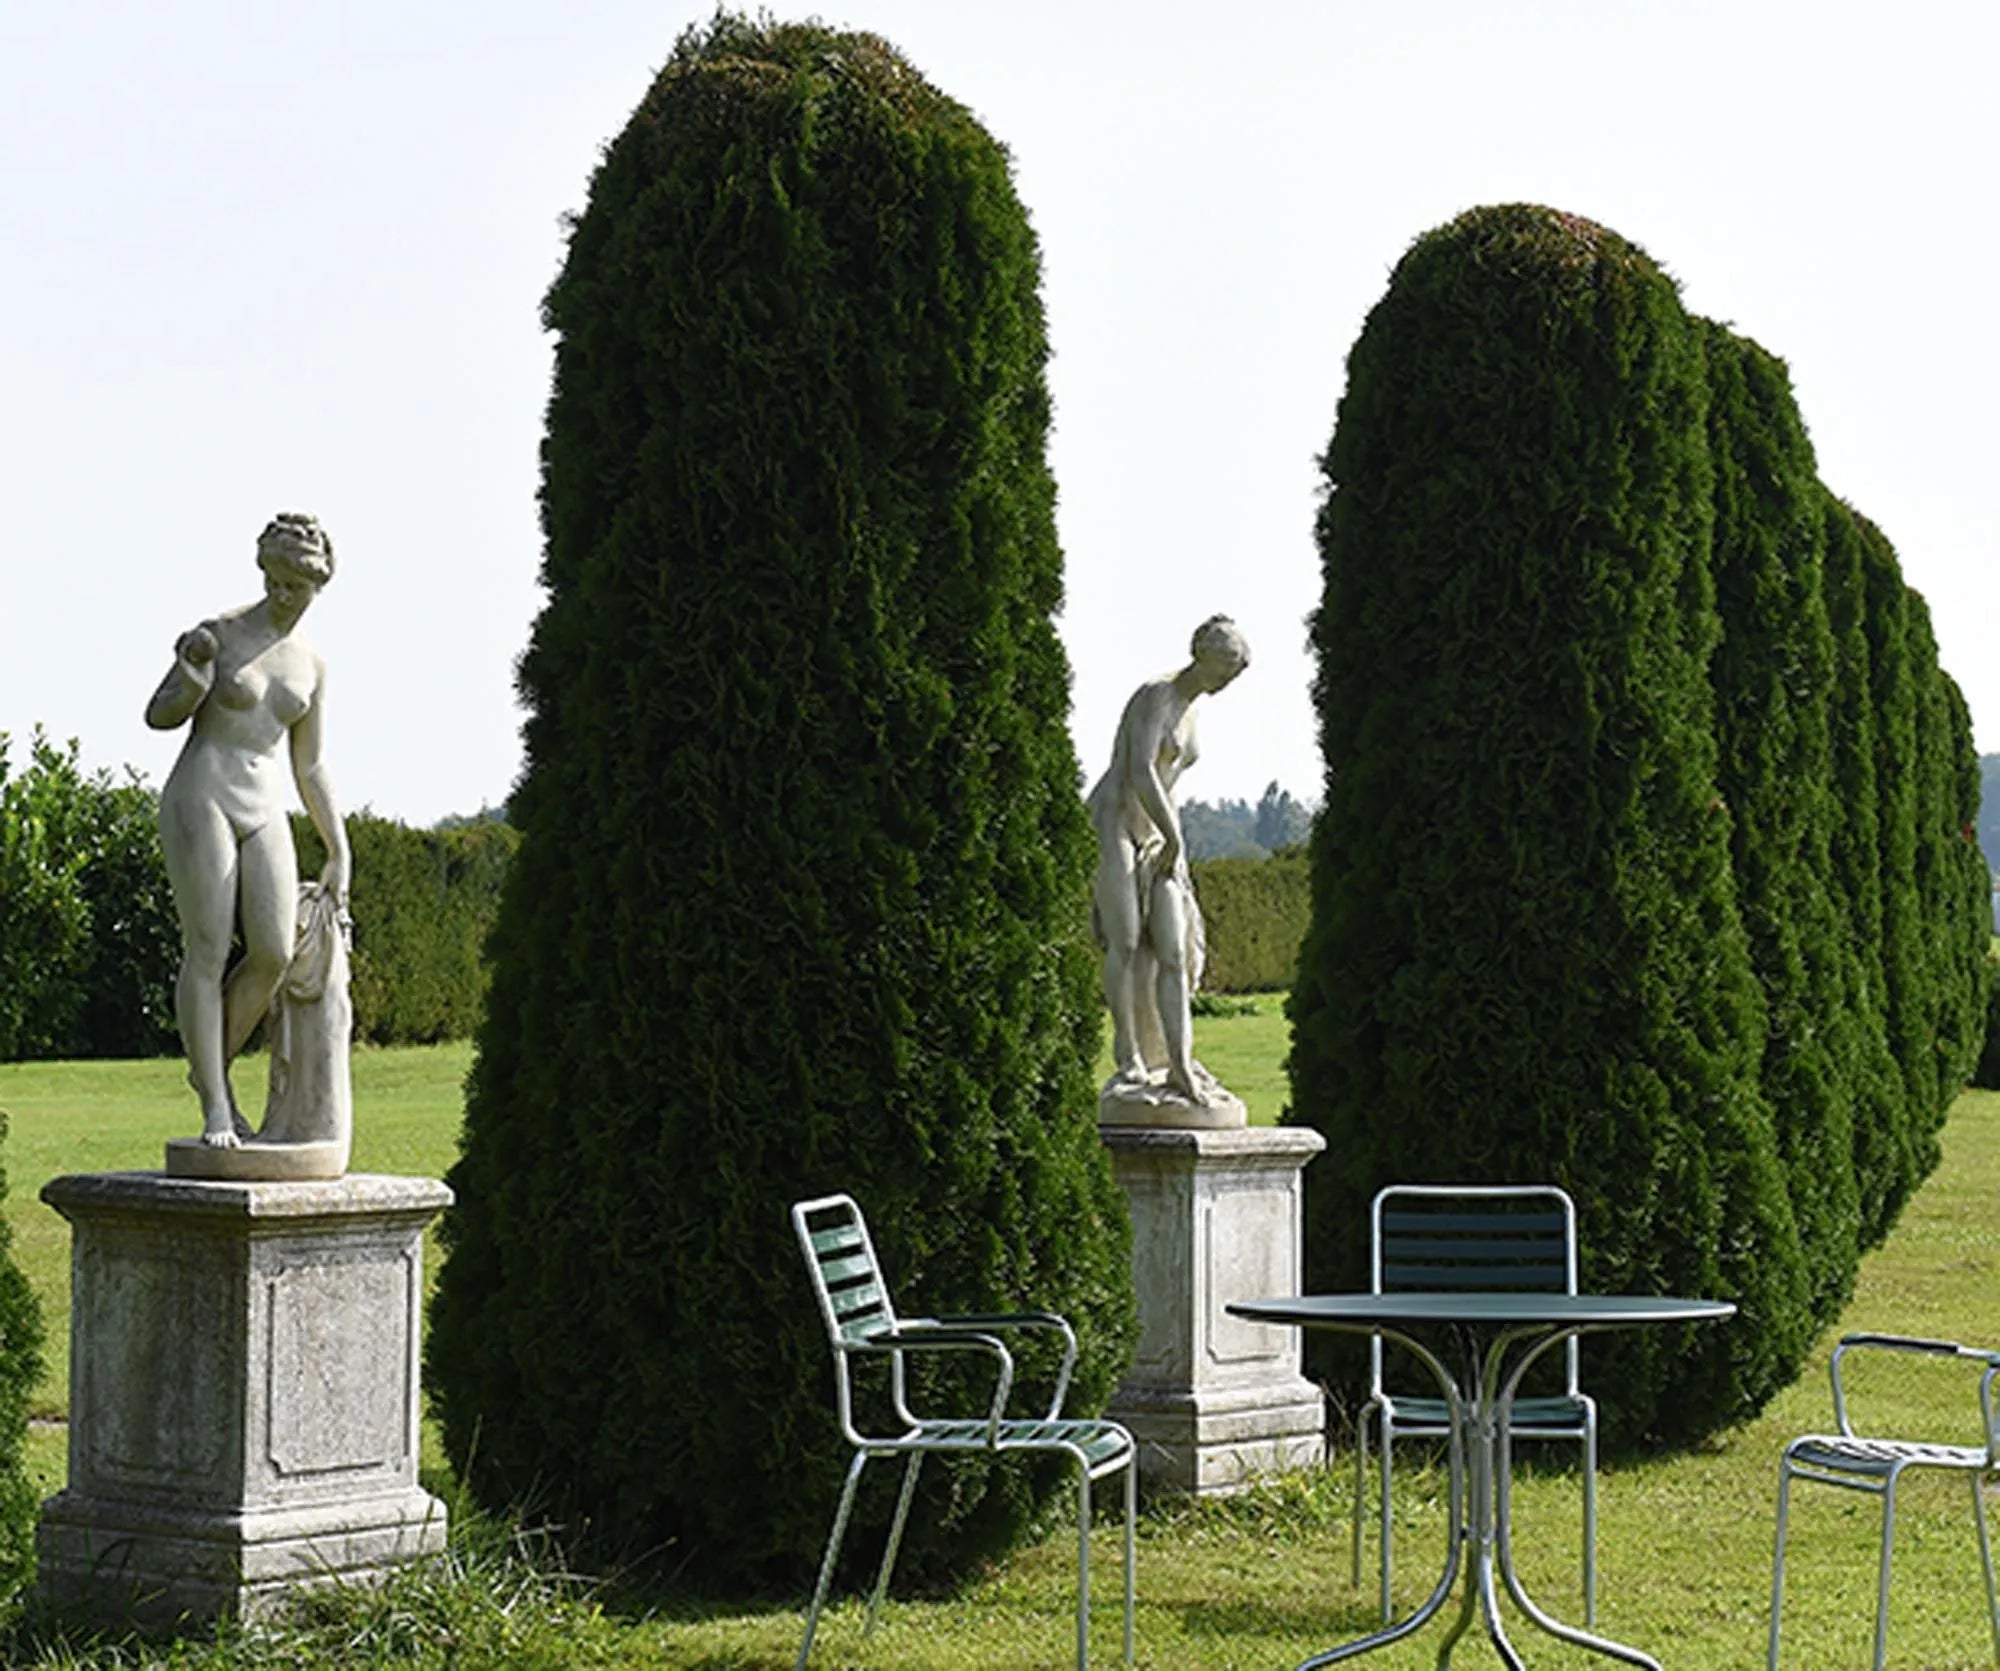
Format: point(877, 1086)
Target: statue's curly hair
point(1220, 636)
point(296, 543)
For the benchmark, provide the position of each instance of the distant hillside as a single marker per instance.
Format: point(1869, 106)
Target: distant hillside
point(1989, 810)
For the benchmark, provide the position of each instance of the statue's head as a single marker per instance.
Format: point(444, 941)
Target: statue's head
point(1220, 650)
point(295, 547)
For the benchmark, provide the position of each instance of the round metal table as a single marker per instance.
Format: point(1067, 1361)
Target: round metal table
point(1502, 1334)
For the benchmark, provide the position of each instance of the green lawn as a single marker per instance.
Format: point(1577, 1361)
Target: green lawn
point(1257, 1582)
point(1246, 1052)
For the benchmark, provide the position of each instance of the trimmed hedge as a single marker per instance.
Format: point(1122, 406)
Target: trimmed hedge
point(90, 944)
point(1636, 749)
point(1987, 1074)
point(803, 866)
point(88, 937)
point(1825, 1059)
point(423, 903)
point(1255, 913)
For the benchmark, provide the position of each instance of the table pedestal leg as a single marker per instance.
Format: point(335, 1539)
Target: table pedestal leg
point(1454, 1553)
point(1505, 1475)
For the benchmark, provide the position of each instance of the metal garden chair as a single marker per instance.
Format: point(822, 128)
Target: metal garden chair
point(1859, 1462)
point(1471, 1237)
point(861, 1320)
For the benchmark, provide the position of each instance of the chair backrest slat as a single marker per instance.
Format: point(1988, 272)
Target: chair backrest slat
point(1461, 1250)
point(1472, 1238)
point(1510, 1277)
point(838, 1269)
point(847, 1281)
point(1458, 1224)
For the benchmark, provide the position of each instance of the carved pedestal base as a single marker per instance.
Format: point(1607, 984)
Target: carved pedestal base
point(1214, 1401)
point(243, 1393)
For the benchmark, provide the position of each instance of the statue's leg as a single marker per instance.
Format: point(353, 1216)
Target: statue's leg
point(269, 871)
point(1117, 913)
point(202, 866)
point(1167, 933)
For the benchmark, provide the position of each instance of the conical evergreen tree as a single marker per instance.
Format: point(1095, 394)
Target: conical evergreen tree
point(1774, 673)
point(1895, 675)
point(803, 870)
point(1952, 885)
point(1854, 849)
point(1525, 960)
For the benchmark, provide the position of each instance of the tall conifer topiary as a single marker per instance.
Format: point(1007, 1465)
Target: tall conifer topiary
point(1525, 960)
point(1774, 672)
point(803, 865)
point(1882, 1174)
point(1896, 678)
point(1952, 879)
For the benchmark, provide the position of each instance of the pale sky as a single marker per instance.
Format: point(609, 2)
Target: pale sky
point(290, 256)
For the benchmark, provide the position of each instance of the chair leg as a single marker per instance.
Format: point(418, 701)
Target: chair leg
point(1986, 1559)
point(1133, 1546)
point(895, 1541)
point(1082, 1565)
point(1590, 1527)
point(1882, 1588)
point(1778, 1560)
point(832, 1553)
point(1388, 1559)
point(1360, 1487)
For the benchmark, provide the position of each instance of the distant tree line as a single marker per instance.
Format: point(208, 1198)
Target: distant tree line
point(90, 945)
point(1230, 829)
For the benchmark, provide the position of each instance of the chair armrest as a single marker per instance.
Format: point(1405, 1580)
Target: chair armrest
point(1924, 1346)
point(936, 1334)
point(1903, 1343)
point(1030, 1320)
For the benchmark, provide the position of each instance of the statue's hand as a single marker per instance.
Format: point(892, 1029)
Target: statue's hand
point(197, 646)
point(334, 879)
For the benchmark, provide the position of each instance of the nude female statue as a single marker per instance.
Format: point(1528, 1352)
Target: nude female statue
point(251, 686)
point(1143, 909)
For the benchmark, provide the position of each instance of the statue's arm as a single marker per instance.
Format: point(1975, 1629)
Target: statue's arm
point(316, 790)
point(187, 682)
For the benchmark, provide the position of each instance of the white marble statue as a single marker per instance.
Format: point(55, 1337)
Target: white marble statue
point(254, 689)
point(1143, 909)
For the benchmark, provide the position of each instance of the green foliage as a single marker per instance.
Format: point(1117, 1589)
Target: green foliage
point(20, 1370)
point(90, 945)
point(1826, 1061)
point(424, 902)
point(88, 939)
point(1659, 869)
point(803, 866)
point(1986, 1075)
point(44, 925)
point(1525, 959)
point(1255, 914)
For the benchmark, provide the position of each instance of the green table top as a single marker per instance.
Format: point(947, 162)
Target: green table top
point(1480, 1308)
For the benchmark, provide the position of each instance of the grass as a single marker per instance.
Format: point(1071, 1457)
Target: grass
point(1257, 1581)
point(1244, 1049)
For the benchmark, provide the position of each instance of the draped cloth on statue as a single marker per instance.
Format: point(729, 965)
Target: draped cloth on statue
point(309, 1028)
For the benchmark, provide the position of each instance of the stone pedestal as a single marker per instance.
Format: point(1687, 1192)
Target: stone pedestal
point(243, 1393)
point(1213, 1401)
